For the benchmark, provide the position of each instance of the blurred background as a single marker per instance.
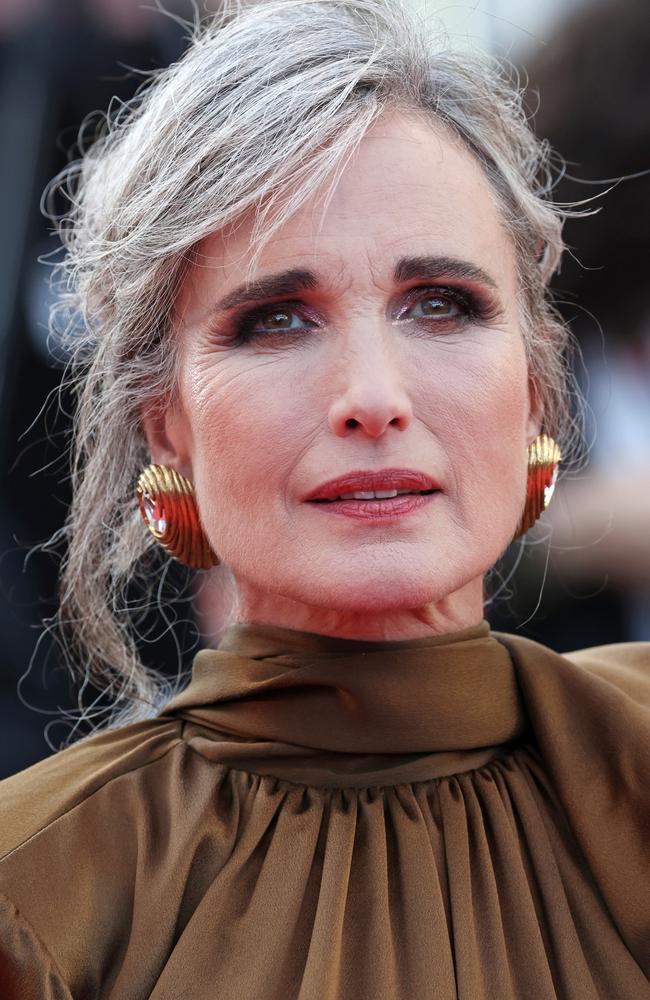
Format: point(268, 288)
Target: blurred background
point(584, 577)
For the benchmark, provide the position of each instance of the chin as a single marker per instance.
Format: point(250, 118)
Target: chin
point(378, 595)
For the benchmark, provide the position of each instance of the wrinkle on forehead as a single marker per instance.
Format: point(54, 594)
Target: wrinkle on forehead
point(411, 187)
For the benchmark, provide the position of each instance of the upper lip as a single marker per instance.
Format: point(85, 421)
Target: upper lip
point(365, 480)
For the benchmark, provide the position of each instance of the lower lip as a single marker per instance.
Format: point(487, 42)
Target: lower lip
point(377, 510)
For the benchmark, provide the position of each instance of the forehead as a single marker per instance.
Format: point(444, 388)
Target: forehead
point(409, 188)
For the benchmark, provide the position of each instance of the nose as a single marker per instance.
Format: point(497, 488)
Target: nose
point(373, 396)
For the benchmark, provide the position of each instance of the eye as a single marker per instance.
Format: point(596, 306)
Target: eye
point(437, 305)
point(283, 317)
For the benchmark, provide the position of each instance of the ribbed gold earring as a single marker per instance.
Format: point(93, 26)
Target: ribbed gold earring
point(168, 506)
point(544, 459)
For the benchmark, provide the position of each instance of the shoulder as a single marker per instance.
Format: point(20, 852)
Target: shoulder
point(75, 833)
point(619, 671)
point(625, 665)
point(34, 799)
point(587, 704)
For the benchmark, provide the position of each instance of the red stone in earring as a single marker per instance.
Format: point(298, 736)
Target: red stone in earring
point(168, 508)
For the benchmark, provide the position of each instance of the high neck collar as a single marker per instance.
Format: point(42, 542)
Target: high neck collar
point(267, 684)
point(261, 641)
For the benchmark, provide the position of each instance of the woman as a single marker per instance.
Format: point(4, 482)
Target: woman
point(312, 266)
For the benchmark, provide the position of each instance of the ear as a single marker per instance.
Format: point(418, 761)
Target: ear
point(535, 411)
point(168, 434)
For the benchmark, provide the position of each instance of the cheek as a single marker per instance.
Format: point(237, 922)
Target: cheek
point(245, 429)
point(484, 432)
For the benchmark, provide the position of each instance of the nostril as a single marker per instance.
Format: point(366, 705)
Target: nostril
point(351, 422)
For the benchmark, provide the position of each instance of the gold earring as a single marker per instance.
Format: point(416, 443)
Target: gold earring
point(544, 458)
point(168, 507)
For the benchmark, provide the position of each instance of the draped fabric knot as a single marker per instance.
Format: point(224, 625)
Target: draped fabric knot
point(314, 698)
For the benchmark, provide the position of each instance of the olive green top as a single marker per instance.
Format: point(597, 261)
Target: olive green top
point(313, 818)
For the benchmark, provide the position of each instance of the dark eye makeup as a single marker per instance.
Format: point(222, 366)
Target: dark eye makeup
point(448, 308)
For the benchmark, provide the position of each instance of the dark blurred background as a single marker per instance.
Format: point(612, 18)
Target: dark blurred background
point(588, 68)
point(59, 61)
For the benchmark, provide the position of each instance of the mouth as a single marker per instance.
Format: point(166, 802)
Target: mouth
point(379, 495)
point(381, 485)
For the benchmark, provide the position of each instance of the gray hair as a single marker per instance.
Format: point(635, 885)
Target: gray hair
point(263, 110)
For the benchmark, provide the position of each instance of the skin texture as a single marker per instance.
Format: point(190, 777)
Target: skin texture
point(354, 384)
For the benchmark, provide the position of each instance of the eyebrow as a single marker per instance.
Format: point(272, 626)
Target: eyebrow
point(297, 279)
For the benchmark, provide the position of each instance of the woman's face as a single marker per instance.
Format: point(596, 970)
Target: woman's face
point(401, 350)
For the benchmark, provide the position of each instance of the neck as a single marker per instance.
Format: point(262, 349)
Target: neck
point(452, 613)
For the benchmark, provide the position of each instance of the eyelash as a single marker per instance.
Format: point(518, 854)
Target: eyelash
point(474, 308)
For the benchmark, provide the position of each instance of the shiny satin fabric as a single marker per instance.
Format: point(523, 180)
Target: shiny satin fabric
point(466, 816)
